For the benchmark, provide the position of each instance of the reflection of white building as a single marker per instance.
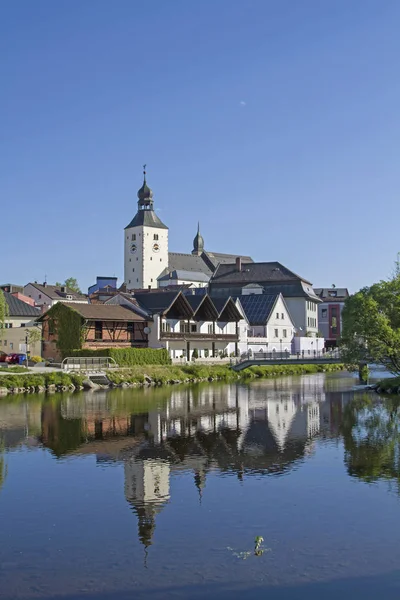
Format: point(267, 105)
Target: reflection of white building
point(147, 490)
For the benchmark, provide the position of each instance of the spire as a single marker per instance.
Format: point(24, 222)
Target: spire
point(145, 194)
point(198, 242)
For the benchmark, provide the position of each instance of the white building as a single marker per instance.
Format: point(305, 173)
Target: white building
point(147, 260)
point(270, 278)
point(270, 326)
point(46, 295)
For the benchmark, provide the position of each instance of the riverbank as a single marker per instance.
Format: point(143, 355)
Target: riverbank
point(390, 385)
point(150, 375)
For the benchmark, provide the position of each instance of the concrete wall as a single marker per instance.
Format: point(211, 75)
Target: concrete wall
point(301, 310)
point(13, 340)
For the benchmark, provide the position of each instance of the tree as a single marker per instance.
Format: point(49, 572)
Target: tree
point(70, 283)
point(4, 312)
point(34, 335)
point(371, 326)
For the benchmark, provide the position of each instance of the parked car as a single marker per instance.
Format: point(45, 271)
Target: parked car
point(3, 356)
point(16, 359)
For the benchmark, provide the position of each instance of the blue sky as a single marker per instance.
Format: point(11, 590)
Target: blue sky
point(274, 123)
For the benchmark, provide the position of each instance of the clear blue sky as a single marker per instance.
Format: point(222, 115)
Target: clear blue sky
point(274, 123)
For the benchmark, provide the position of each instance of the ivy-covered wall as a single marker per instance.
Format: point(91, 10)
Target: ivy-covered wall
point(64, 325)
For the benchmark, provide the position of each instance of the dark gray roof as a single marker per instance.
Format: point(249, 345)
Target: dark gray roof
point(260, 272)
point(18, 308)
point(54, 292)
point(220, 258)
point(158, 301)
point(147, 218)
point(101, 312)
point(332, 294)
point(185, 275)
point(258, 307)
point(178, 261)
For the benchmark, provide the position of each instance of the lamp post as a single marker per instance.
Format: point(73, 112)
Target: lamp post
point(26, 345)
point(281, 348)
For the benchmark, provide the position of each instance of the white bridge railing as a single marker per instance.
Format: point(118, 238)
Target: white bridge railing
point(88, 363)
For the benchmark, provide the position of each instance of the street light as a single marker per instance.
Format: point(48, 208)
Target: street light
point(26, 345)
point(281, 348)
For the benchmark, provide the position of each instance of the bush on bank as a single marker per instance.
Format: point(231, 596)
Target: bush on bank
point(129, 357)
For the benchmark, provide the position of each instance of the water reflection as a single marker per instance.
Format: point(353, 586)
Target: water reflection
point(263, 429)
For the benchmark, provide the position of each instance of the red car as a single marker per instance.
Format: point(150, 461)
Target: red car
point(3, 356)
point(15, 359)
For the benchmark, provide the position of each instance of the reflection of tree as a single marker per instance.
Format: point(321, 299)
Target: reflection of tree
point(371, 434)
point(3, 468)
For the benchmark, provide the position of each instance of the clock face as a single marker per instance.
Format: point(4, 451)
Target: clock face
point(156, 247)
point(133, 248)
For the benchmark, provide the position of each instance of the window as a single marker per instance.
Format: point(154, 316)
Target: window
point(22, 325)
point(193, 327)
point(98, 330)
point(277, 315)
point(324, 313)
point(137, 258)
point(166, 327)
point(210, 328)
point(40, 296)
point(130, 260)
point(133, 237)
point(129, 281)
point(133, 270)
point(276, 333)
point(151, 258)
point(5, 342)
point(282, 316)
point(11, 345)
point(285, 333)
point(155, 237)
point(332, 293)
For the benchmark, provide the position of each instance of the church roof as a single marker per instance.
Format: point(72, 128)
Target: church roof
point(178, 261)
point(146, 218)
point(219, 257)
point(185, 276)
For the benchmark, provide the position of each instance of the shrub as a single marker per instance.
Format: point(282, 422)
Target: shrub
point(195, 353)
point(36, 359)
point(129, 357)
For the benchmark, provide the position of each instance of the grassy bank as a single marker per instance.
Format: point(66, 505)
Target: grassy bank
point(153, 375)
point(391, 385)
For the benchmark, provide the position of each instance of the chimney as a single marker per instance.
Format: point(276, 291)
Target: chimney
point(239, 263)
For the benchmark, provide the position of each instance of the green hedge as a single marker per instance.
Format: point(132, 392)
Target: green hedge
point(129, 357)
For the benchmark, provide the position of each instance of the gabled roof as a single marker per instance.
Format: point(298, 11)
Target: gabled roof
point(146, 218)
point(18, 308)
point(203, 308)
point(227, 309)
point(158, 302)
point(124, 299)
point(54, 291)
point(258, 307)
point(252, 272)
point(100, 312)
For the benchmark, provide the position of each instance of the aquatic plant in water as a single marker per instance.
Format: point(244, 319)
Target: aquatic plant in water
point(258, 549)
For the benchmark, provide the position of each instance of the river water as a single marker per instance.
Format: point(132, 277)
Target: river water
point(160, 493)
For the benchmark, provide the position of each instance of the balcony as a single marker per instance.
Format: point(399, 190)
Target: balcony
point(200, 337)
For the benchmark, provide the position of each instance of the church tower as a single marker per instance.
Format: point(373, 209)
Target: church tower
point(146, 244)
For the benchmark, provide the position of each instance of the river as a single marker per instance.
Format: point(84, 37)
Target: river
point(160, 493)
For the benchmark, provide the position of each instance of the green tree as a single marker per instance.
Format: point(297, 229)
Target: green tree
point(70, 283)
point(34, 335)
point(371, 326)
point(4, 312)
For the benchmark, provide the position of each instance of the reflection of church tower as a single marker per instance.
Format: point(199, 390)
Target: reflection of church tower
point(146, 244)
point(146, 490)
point(200, 481)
